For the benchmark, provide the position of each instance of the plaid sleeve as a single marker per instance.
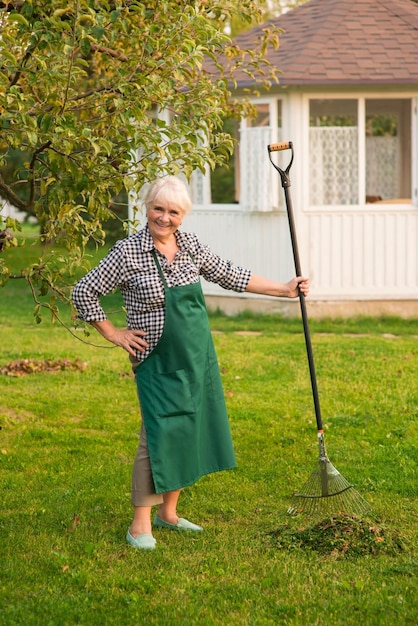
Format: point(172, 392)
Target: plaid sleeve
point(100, 281)
point(221, 271)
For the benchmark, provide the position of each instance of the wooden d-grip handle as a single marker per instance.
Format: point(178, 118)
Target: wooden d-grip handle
point(283, 145)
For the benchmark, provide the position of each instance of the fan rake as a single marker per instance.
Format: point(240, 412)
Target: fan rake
point(326, 490)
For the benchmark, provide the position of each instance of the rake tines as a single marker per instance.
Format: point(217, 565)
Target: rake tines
point(327, 491)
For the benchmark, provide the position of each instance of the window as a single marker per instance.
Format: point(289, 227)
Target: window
point(247, 178)
point(258, 180)
point(360, 151)
point(333, 137)
point(223, 182)
point(388, 150)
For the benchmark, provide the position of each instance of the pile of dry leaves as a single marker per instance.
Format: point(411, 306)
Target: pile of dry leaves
point(23, 367)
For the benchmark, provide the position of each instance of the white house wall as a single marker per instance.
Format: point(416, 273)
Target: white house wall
point(367, 255)
point(259, 241)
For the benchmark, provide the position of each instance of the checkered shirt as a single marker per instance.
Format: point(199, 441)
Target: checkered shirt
point(130, 267)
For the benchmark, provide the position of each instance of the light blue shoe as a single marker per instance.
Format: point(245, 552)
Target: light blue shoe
point(182, 524)
point(145, 542)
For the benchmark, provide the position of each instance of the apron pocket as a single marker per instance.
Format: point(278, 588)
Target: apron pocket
point(172, 395)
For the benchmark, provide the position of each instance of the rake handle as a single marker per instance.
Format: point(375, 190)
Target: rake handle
point(304, 311)
point(285, 180)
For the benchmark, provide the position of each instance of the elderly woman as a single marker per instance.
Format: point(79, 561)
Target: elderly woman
point(185, 432)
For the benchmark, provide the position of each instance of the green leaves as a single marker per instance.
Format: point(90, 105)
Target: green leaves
point(18, 18)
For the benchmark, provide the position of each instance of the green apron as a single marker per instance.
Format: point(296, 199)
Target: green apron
point(181, 395)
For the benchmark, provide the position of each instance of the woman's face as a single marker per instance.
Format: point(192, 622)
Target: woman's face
point(163, 221)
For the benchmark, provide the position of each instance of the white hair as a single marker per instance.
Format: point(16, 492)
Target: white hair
point(170, 191)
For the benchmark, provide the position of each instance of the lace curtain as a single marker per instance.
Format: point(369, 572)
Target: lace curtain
point(383, 167)
point(333, 160)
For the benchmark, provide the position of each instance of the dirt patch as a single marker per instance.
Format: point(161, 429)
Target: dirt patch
point(23, 367)
point(341, 536)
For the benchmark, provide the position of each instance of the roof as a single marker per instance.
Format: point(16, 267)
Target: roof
point(345, 42)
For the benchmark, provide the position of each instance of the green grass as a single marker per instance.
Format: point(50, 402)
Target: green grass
point(67, 443)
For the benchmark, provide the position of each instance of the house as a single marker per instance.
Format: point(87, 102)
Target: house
point(348, 100)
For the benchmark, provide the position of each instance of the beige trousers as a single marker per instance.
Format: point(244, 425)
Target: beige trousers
point(143, 489)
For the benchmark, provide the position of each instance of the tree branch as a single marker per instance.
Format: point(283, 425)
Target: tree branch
point(116, 54)
point(8, 194)
point(55, 315)
point(18, 73)
point(33, 160)
point(71, 63)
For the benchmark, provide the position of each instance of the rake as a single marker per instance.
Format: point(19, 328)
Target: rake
point(326, 490)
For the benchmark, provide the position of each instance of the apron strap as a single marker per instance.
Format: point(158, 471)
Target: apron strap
point(160, 271)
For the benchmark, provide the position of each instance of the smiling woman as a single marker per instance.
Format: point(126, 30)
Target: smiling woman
point(185, 431)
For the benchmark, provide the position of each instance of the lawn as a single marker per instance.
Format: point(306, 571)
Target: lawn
point(67, 441)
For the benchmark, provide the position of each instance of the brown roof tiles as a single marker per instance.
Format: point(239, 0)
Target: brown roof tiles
point(342, 42)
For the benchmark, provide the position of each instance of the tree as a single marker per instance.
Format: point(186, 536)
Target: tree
point(82, 87)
